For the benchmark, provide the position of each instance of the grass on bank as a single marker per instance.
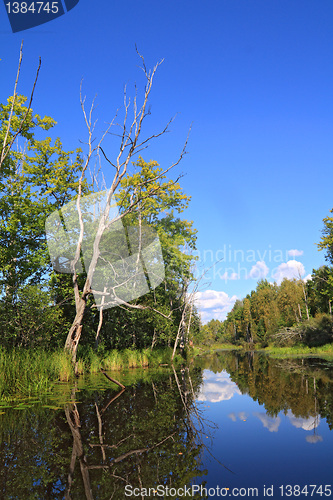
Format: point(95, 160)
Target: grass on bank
point(296, 350)
point(206, 349)
point(299, 350)
point(129, 358)
point(26, 372)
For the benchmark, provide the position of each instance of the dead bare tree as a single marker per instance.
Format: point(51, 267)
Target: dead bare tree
point(187, 307)
point(130, 145)
point(187, 300)
point(305, 296)
point(9, 139)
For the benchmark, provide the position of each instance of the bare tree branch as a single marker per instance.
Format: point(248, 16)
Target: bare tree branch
point(7, 147)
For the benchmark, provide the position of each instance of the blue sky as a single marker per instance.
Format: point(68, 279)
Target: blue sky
point(255, 78)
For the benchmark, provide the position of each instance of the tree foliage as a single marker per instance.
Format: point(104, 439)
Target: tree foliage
point(37, 177)
point(326, 242)
point(278, 313)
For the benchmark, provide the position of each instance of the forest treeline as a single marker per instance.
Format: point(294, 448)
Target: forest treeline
point(288, 314)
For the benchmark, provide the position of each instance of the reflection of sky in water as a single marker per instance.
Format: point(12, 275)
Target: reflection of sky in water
point(260, 448)
point(303, 423)
point(217, 387)
point(271, 423)
point(314, 438)
point(241, 415)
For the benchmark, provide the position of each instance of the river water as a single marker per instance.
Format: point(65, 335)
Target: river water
point(227, 425)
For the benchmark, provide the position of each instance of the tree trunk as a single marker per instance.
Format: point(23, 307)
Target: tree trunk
point(153, 341)
point(300, 312)
point(177, 338)
point(100, 321)
point(74, 333)
point(73, 419)
point(305, 300)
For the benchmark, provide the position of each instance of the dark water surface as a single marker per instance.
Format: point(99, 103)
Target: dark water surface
point(231, 425)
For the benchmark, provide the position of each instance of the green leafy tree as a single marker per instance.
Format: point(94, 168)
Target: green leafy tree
point(264, 310)
point(211, 332)
point(248, 319)
point(36, 177)
point(35, 186)
point(326, 242)
point(290, 301)
point(157, 321)
point(321, 289)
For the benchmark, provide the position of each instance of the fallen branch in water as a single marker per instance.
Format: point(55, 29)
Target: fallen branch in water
point(111, 401)
point(113, 380)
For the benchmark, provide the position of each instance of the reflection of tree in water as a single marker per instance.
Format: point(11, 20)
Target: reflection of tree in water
point(147, 435)
point(303, 385)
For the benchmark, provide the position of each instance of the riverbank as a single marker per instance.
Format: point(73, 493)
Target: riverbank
point(299, 350)
point(26, 372)
point(197, 351)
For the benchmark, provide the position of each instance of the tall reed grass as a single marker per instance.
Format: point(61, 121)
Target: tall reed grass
point(130, 358)
point(25, 372)
point(113, 361)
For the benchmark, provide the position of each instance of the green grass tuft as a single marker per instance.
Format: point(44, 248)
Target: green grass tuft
point(27, 372)
point(113, 361)
point(62, 365)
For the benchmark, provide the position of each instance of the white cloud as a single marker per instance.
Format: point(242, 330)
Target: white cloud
point(290, 270)
point(307, 278)
point(314, 438)
point(295, 253)
point(259, 270)
point(242, 415)
point(214, 304)
point(303, 423)
point(272, 424)
point(220, 388)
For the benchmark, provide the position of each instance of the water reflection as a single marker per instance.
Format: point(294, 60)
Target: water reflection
point(217, 387)
point(269, 413)
point(148, 435)
point(303, 388)
point(271, 423)
point(90, 441)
